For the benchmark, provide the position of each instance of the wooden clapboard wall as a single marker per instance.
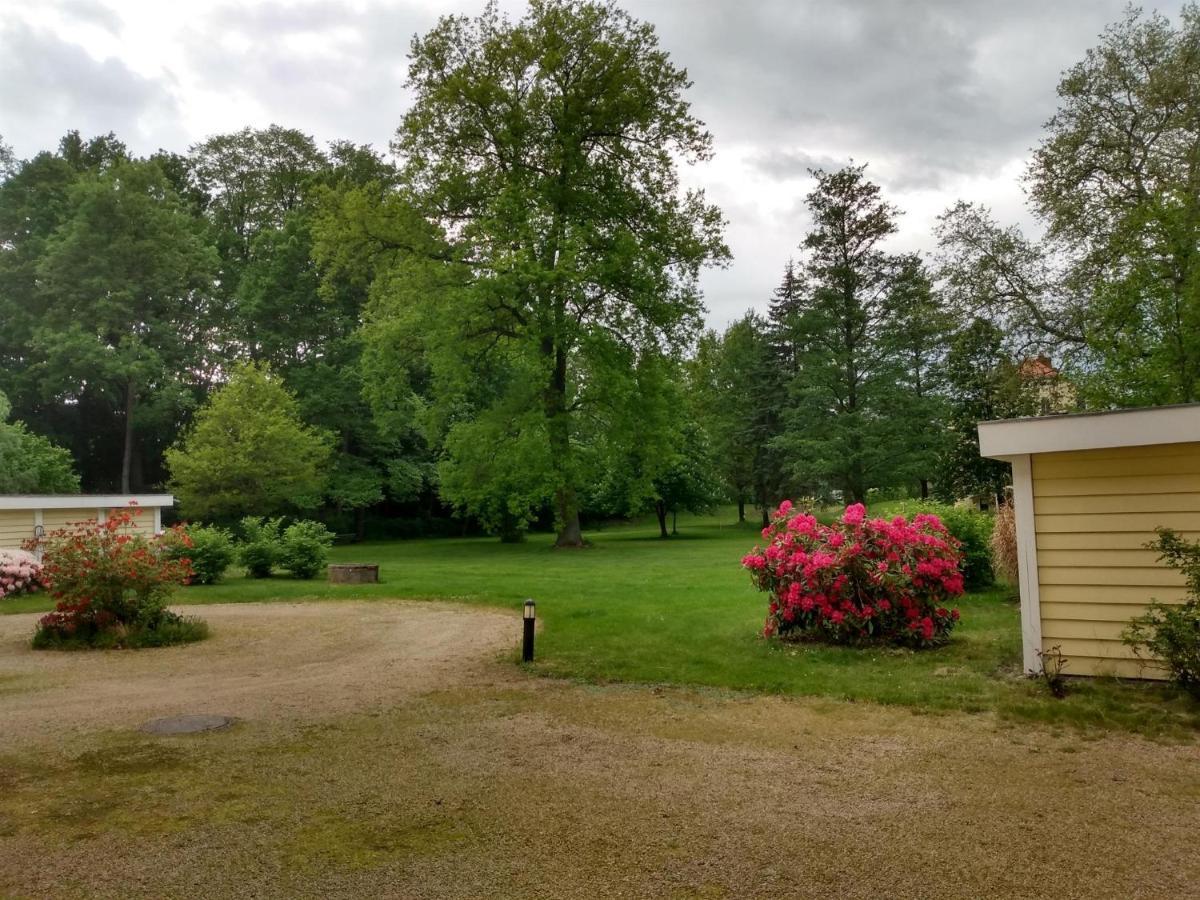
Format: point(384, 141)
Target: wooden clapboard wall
point(1094, 512)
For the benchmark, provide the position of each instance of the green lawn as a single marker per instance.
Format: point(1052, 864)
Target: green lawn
point(637, 608)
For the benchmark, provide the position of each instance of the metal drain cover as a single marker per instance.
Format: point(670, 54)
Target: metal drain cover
point(187, 724)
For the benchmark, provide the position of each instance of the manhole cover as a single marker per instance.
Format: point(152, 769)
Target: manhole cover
point(187, 724)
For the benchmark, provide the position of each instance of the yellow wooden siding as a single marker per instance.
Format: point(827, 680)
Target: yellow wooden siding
point(143, 523)
point(16, 525)
point(1094, 513)
point(53, 519)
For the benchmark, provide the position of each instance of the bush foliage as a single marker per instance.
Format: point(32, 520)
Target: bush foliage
point(211, 551)
point(111, 585)
point(20, 573)
point(860, 580)
point(301, 549)
point(1171, 634)
point(259, 548)
point(304, 549)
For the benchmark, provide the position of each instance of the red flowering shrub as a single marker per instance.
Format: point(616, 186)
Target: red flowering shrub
point(859, 580)
point(111, 584)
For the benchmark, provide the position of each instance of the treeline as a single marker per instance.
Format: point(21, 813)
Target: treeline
point(500, 320)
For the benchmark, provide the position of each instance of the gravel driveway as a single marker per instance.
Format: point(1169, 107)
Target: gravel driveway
point(387, 751)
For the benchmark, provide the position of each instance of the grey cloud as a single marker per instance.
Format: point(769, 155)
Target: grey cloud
point(785, 164)
point(937, 88)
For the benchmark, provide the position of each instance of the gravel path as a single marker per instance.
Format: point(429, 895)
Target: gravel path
point(266, 661)
point(386, 752)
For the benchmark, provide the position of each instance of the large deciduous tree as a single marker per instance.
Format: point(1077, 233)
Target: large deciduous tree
point(1115, 284)
point(546, 152)
point(121, 295)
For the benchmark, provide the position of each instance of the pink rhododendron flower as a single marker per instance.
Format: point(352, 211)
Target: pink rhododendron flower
point(860, 579)
point(854, 514)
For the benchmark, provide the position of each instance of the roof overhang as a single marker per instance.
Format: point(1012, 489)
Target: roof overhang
point(83, 501)
point(1007, 438)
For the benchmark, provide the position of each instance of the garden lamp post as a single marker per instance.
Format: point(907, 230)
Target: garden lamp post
point(530, 621)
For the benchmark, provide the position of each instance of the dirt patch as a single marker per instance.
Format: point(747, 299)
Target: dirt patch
point(418, 776)
point(276, 661)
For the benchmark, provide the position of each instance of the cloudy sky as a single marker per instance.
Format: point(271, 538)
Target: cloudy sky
point(943, 98)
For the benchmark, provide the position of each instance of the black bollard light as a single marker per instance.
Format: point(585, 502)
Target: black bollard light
point(530, 621)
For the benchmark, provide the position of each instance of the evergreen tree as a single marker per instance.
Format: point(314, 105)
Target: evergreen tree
point(841, 427)
point(916, 333)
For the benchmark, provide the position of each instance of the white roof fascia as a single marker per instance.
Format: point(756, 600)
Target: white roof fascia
point(1007, 438)
point(83, 501)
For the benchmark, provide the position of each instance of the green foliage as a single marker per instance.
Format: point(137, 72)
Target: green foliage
point(861, 401)
point(973, 531)
point(211, 552)
point(167, 630)
point(301, 549)
point(551, 145)
point(29, 463)
point(304, 549)
point(248, 452)
point(259, 548)
point(1171, 634)
point(1115, 283)
point(984, 384)
point(735, 382)
point(126, 238)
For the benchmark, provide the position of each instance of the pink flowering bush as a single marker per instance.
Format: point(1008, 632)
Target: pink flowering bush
point(20, 572)
point(860, 580)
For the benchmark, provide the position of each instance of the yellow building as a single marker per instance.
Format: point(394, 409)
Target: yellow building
point(1088, 491)
point(24, 516)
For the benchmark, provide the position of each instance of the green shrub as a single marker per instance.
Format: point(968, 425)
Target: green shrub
point(167, 628)
point(211, 553)
point(260, 547)
point(304, 548)
point(973, 531)
point(1171, 634)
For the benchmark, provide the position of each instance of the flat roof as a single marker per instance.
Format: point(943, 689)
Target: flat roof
point(1143, 427)
point(82, 501)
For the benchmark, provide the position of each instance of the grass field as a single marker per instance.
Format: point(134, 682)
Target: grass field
point(635, 608)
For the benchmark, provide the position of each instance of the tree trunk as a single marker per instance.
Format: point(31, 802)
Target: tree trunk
point(924, 488)
point(566, 500)
point(360, 524)
point(127, 454)
point(741, 510)
point(660, 510)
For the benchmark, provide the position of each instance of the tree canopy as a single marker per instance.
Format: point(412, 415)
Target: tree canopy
point(248, 453)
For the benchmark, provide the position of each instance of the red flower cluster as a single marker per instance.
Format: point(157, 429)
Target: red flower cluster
point(107, 574)
point(859, 580)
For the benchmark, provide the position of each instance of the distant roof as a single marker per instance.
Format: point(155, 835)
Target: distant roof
point(1142, 427)
point(1037, 367)
point(82, 501)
